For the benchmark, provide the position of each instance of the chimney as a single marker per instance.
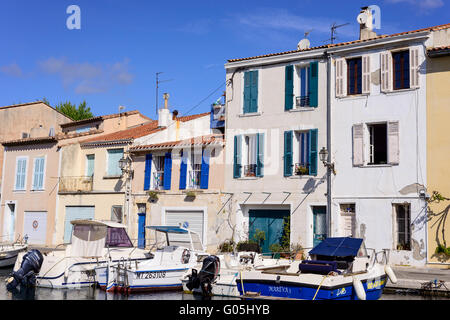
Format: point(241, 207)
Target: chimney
point(164, 114)
point(365, 20)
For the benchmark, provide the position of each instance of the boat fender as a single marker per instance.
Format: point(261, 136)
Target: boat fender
point(390, 273)
point(359, 289)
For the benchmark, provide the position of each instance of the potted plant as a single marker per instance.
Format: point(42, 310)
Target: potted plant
point(153, 195)
point(301, 170)
point(226, 246)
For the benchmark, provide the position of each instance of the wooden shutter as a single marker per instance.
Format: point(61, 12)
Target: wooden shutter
point(366, 74)
point(393, 142)
point(247, 91)
point(414, 67)
point(21, 174)
point(167, 171)
point(148, 171)
point(183, 170)
point(341, 77)
point(204, 174)
point(288, 153)
point(386, 71)
point(254, 92)
point(313, 84)
point(313, 138)
point(358, 144)
point(289, 88)
point(237, 156)
point(260, 155)
point(38, 175)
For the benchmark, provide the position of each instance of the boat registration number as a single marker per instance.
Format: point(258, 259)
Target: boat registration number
point(151, 275)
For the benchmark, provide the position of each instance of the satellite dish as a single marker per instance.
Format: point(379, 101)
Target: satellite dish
point(362, 18)
point(303, 44)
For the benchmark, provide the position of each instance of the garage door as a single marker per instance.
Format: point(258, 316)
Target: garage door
point(192, 220)
point(76, 213)
point(35, 226)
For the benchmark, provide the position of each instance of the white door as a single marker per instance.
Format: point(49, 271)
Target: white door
point(35, 227)
point(192, 220)
point(9, 220)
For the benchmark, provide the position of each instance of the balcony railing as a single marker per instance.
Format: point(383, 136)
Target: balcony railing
point(301, 169)
point(250, 170)
point(302, 101)
point(158, 180)
point(194, 179)
point(76, 184)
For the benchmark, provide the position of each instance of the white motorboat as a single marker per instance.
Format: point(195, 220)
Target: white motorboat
point(339, 269)
point(93, 244)
point(9, 253)
point(219, 278)
point(182, 251)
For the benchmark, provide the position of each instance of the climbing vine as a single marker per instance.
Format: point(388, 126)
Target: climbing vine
point(440, 219)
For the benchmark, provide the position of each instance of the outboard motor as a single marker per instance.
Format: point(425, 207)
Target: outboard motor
point(208, 273)
point(29, 268)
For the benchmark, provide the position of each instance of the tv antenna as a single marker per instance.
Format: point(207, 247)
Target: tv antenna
point(333, 30)
point(157, 88)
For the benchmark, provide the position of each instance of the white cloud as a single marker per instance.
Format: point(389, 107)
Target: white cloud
point(423, 4)
point(13, 70)
point(88, 78)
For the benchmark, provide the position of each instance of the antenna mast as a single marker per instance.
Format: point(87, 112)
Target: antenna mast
point(157, 87)
point(333, 30)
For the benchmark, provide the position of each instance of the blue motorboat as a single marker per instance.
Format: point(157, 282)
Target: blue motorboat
point(339, 268)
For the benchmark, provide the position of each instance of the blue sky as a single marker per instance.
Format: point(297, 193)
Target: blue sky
point(113, 58)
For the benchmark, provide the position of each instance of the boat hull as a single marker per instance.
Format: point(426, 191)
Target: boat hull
point(8, 257)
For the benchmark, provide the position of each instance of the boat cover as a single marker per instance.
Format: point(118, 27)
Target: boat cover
point(168, 229)
point(338, 247)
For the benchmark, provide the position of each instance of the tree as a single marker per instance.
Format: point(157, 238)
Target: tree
point(71, 110)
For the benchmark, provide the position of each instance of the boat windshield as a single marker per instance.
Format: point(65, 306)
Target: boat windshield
point(118, 237)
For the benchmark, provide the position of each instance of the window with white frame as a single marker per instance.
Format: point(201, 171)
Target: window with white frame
point(21, 173)
point(249, 155)
point(158, 172)
point(301, 86)
point(195, 169)
point(38, 173)
point(348, 220)
point(301, 152)
point(402, 222)
point(116, 214)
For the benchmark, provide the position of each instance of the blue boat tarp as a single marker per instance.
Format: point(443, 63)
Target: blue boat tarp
point(168, 229)
point(338, 247)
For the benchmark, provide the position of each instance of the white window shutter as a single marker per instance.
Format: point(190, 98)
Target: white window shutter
point(358, 144)
point(414, 67)
point(366, 74)
point(341, 77)
point(393, 143)
point(386, 71)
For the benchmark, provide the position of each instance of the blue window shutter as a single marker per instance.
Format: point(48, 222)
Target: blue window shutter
point(313, 84)
point(204, 175)
point(289, 88)
point(260, 155)
point(247, 91)
point(254, 92)
point(288, 153)
point(167, 170)
point(183, 171)
point(148, 171)
point(313, 137)
point(237, 156)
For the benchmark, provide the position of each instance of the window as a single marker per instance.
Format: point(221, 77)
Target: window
point(250, 92)
point(377, 143)
point(401, 69)
point(354, 76)
point(90, 165)
point(248, 155)
point(402, 226)
point(21, 171)
point(158, 171)
point(116, 214)
point(301, 153)
point(195, 170)
point(38, 173)
point(158, 174)
point(348, 220)
point(114, 155)
point(301, 86)
point(302, 96)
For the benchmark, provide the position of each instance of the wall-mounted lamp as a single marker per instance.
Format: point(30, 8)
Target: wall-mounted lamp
point(124, 164)
point(323, 155)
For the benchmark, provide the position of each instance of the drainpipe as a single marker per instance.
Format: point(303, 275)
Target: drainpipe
point(328, 57)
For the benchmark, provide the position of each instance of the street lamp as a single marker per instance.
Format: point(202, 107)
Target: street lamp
point(323, 155)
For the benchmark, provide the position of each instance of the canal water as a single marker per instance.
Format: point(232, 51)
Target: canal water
point(97, 294)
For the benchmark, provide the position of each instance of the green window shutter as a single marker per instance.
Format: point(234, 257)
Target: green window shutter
point(313, 136)
point(237, 156)
point(247, 91)
point(314, 84)
point(260, 155)
point(289, 88)
point(254, 92)
point(288, 153)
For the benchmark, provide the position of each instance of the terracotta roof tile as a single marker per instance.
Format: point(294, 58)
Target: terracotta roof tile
point(108, 116)
point(27, 141)
point(435, 28)
point(201, 140)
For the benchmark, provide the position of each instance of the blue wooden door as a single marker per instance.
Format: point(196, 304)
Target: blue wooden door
point(270, 222)
point(141, 230)
point(319, 224)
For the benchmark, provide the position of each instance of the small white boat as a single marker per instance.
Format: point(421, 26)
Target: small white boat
point(339, 269)
point(183, 250)
point(9, 253)
point(219, 278)
point(93, 244)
